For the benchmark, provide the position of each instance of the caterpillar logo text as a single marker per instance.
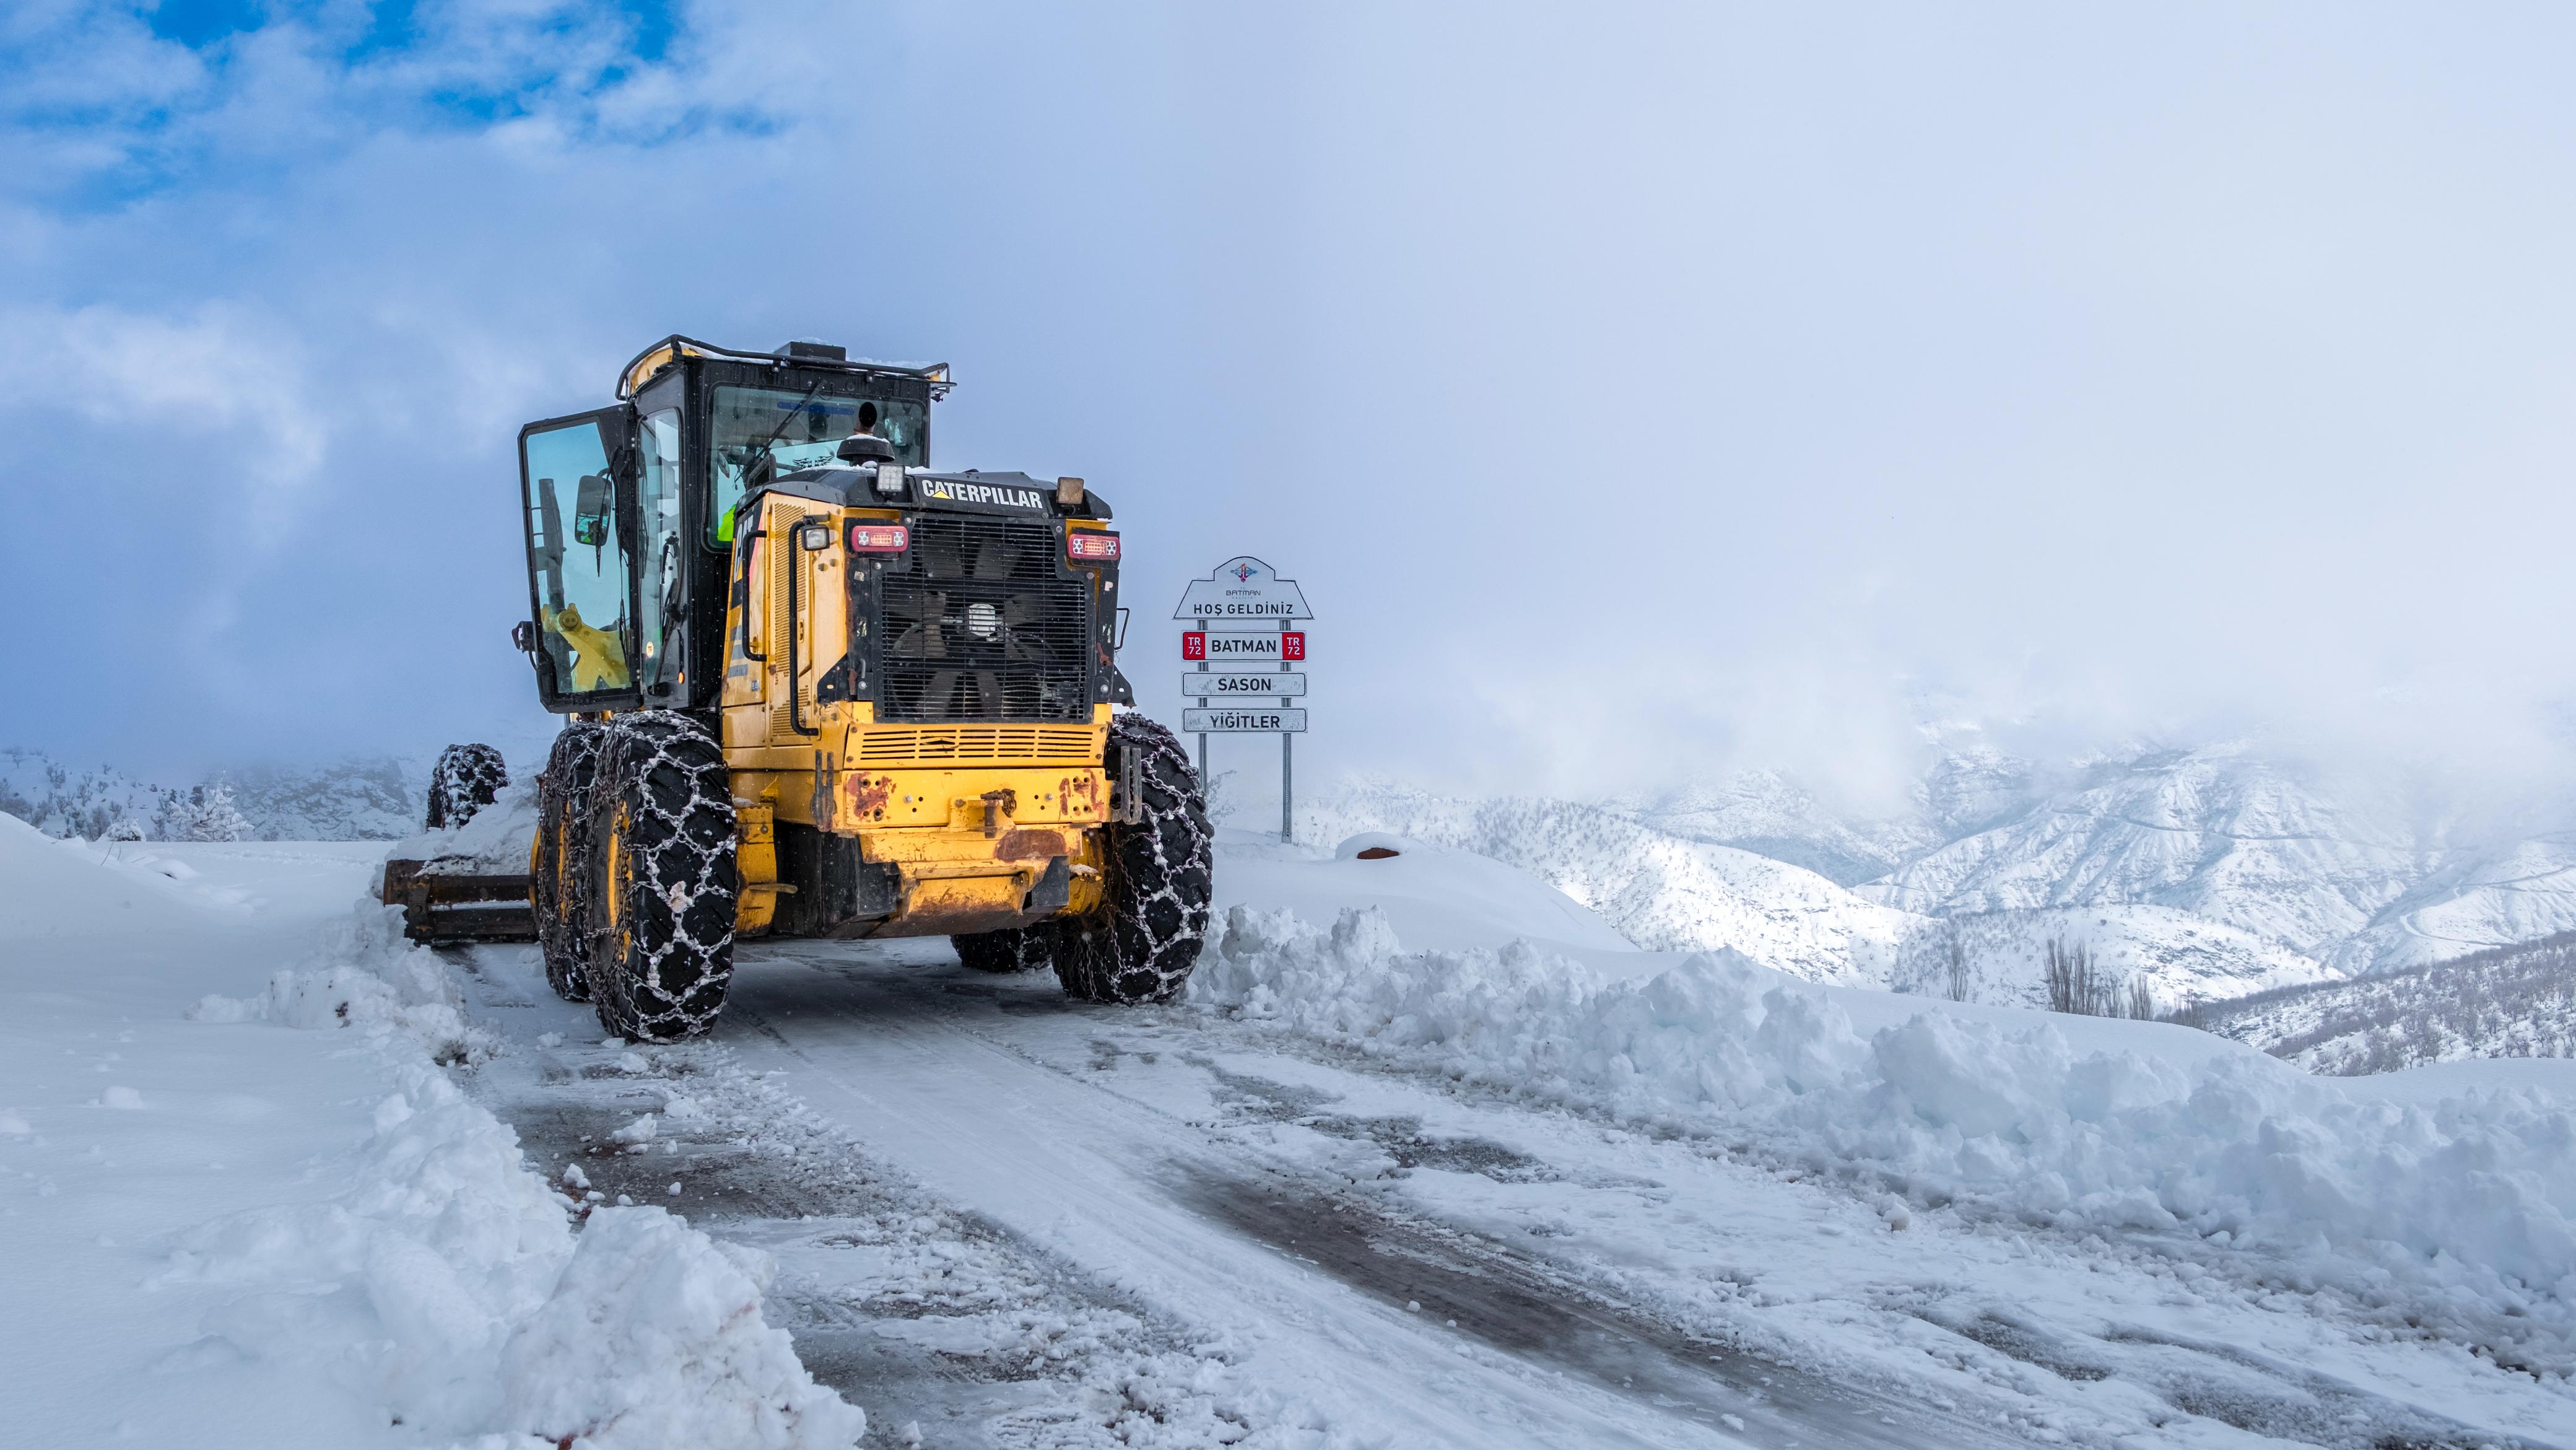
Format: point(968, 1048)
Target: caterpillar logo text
point(948, 490)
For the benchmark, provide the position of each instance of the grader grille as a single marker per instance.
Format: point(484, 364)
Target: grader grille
point(982, 625)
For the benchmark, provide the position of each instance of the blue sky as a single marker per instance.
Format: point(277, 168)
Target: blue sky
point(1637, 391)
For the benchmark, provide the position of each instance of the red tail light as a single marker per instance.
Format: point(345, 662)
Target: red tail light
point(1090, 546)
point(879, 538)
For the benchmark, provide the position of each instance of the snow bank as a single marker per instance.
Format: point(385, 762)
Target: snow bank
point(448, 1283)
point(1430, 893)
point(496, 841)
point(73, 889)
point(2464, 1207)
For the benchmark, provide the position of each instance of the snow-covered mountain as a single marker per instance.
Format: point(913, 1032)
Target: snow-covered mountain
point(2511, 1002)
point(2220, 833)
point(1967, 787)
point(1666, 892)
point(2519, 891)
point(2257, 850)
point(378, 799)
point(1659, 890)
point(62, 801)
point(2000, 957)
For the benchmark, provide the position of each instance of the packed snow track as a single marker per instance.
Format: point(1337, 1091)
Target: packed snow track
point(1428, 1156)
point(1004, 1218)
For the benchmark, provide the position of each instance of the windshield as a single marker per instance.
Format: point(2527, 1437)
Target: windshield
point(784, 429)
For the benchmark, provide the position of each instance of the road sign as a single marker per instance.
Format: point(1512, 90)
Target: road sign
point(1242, 685)
point(1238, 636)
point(1243, 722)
point(1243, 588)
point(1250, 647)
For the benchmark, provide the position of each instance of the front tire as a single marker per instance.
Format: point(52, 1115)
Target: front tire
point(663, 876)
point(466, 779)
point(558, 864)
point(1012, 949)
point(1142, 943)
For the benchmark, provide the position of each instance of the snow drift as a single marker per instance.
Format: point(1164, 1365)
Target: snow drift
point(448, 1283)
point(74, 889)
point(2466, 1204)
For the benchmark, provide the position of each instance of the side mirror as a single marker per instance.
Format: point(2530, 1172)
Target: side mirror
point(591, 505)
point(524, 635)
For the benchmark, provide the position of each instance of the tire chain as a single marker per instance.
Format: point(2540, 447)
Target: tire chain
point(466, 779)
point(562, 856)
point(665, 776)
point(1141, 946)
point(1012, 949)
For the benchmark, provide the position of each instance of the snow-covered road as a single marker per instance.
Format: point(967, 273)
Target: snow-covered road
point(1175, 1228)
point(1001, 1218)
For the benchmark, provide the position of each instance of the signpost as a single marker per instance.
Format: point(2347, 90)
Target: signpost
point(1234, 686)
point(1244, 722)
point(1242, 615)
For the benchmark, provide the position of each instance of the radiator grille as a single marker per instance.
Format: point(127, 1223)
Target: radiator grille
point(976, 742)
point(979, 625)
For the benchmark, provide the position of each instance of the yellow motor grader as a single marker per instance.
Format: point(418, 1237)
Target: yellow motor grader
point(815, 687)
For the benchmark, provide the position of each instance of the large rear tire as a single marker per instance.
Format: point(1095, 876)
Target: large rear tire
point(1013, 949)
point(1142, 943)
point(663, 876)
point(466, 779)
point(558, 865)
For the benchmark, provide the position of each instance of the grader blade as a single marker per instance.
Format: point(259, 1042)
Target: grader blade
point(442, 908)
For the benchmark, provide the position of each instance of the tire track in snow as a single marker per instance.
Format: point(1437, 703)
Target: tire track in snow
point(1510, 1303)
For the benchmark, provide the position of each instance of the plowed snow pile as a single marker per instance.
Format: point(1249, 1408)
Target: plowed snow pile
point(494, 842)
point(234, 1229)
point(447, 1281)
point(2461, 1210)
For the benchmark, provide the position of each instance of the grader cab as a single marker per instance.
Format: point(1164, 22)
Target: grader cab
point(815, 687)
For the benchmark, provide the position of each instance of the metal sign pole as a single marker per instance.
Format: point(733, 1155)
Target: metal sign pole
point(1203, 775)
point(1287, 811)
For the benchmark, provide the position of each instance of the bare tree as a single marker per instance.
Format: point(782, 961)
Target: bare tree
point(1954, 961)
point(2073, 986)
point(2142, 999)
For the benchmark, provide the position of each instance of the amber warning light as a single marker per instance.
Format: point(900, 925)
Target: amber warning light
point(879, 538)
point(1090, 546)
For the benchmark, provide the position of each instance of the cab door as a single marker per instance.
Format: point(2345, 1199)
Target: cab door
point(576, 487)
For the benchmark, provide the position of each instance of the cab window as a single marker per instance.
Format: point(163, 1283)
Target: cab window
point(657, 506)
point(579, 561)
point(757, 434)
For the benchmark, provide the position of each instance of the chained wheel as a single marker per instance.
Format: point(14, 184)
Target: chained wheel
point(1142, 942)
point(466, 779)
point(557, 860)
point(663, 878)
